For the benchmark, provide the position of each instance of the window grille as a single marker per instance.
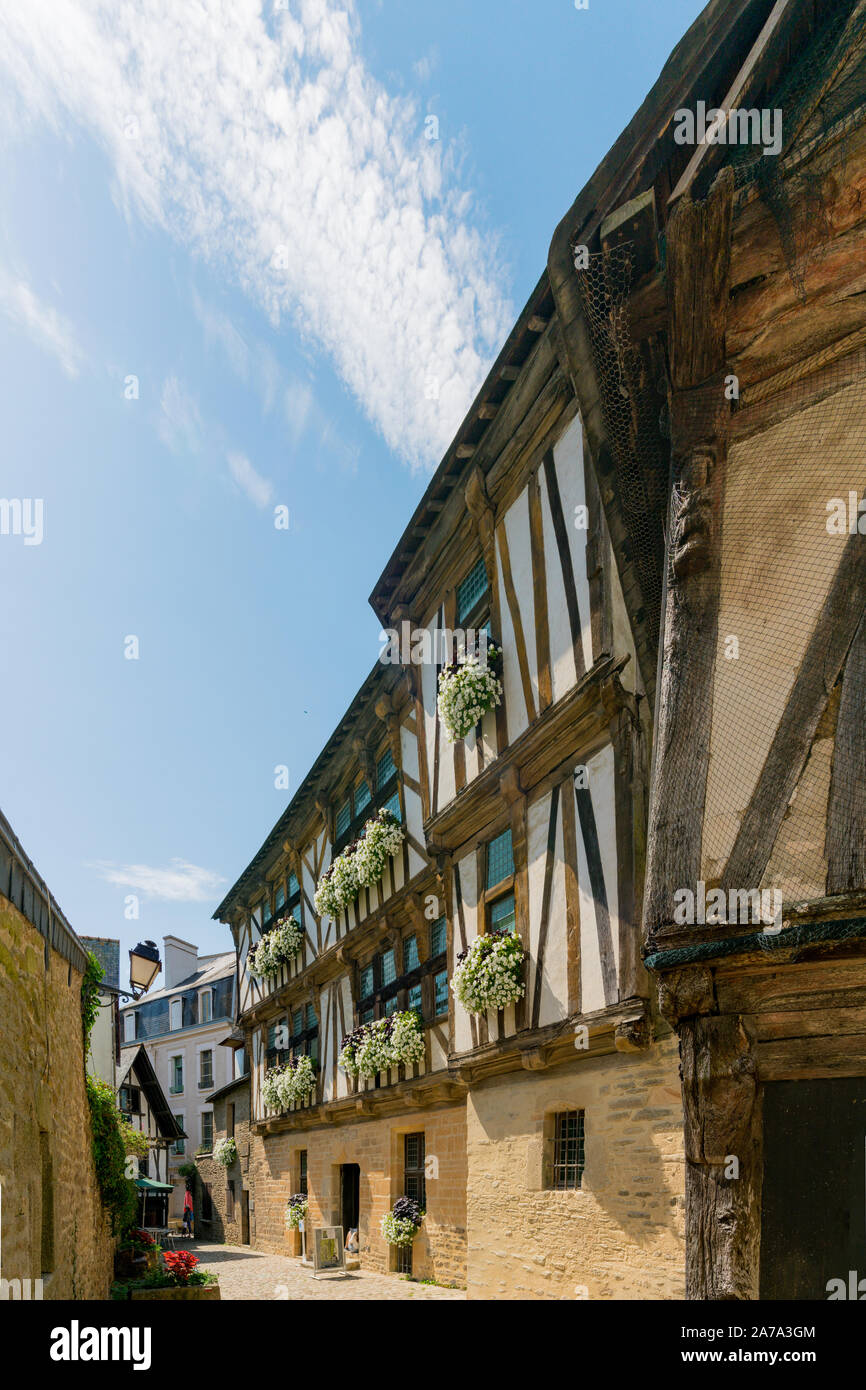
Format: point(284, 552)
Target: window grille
point(302, 1169)
point(500, 859)
point(471, 589)
point(414, 1184)
point(367, 985)
point(568, 1151)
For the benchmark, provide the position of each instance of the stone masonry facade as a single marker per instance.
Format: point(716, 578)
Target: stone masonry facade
point(225, 1226)
point(621, 1234)
point(54, 1225)
point(376, 1146)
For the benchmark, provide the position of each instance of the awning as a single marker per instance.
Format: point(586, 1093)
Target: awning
point(148, 1185)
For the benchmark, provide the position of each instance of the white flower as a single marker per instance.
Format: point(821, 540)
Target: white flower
point(398, 1230)
point(289, 1084)
point(296, 1210)
point(385, 1043)
point(277, 947)
point(467, 690)
point(360, 865)
point(225, 1151)
point(490, 976)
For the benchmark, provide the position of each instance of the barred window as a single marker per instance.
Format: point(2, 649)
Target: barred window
point(302, 1171)
point(438, 936)
point(410, 953)
point(414, 1184)
point(470, 590)
point(568, 1149)
point(500, 859)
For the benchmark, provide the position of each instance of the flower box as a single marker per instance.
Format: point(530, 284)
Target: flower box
point(178, 1293)
point(289, 1084)
point(468, 688)
point(490, 974)
point(276, 948)
point(385, 1043)
point(361, 864)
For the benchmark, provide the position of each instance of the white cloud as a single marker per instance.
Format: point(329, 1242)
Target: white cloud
point(179, 423)
point(257, 488)
point(41, 322)
point(261, 140)
point(181, 882)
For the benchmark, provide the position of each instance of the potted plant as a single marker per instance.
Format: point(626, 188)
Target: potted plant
point(296, 1210)
point(180, 1279)
point(489, 974)
point(468, 688)
point(289, 1084)
point(384, 1043)
point(277, 947)
point(400, 1226)
point(360, 865)
point(225, 1151)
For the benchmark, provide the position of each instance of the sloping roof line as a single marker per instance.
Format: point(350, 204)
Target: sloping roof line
point(147, 1079)
point(220, 967)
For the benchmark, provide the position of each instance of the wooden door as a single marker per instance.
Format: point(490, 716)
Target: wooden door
point(813, 1221)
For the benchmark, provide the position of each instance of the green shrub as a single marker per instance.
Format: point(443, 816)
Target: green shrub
point(119, 1194)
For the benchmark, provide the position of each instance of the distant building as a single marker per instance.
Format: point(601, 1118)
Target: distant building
point(143, 1103)
point(181, 1028)
point(104, 1053)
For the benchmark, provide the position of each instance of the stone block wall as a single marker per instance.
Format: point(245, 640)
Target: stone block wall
point(226, 1226)
point(621, 1235)
point(376, 1145)
point(54, 1225)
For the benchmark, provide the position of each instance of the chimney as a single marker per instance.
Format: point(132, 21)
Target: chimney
point(180, 960)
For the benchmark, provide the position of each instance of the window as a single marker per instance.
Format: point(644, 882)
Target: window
point(410, 954)
point(205, 1012)
point(367, 985)
point(175, 1015)
point(414, 1185)
point(129, 1026)
point(362, 798)
point(385, 770)
point(297, 1023)
point(207, 1131)
point(500, 859)
point(471, 590)
point(568, 1155)
point(176, 1076)
point(389, 968)
point(278, 1040)
point(438, 936)
point(391, 1005)
point(366, 1015)
point(302, 1171)
point(414, 998)
point(501, 914)
point(344, 819)
point(293, 897)
point(279, 898)
point(179, 1145)
point(393, 805)
point(267, 913)
point(230, 1121)
point(129, 1100)
point(205, 1074)
point(440, 988)
point(312, 1021)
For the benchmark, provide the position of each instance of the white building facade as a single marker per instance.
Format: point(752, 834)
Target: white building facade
point(182, 1027)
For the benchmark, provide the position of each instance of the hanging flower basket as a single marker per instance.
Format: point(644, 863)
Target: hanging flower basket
point(289, 1084)
point(385, 1043)
point(360, 865)
point(225, 1151)
point(468, 688)
point(277, 947)
point(401, 1225)
point(296, 1210)
point(490, 974)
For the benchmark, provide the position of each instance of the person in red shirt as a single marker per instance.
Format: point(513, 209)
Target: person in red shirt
point(187, 1212)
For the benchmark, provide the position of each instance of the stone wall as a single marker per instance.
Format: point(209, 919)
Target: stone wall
point(621, 1235)
point(224, 1226)
point(439, 1250)
point(54, 1226)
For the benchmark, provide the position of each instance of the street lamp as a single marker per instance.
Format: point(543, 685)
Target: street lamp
point(144, 966)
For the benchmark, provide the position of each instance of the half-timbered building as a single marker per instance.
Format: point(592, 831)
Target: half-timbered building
point(710, 294)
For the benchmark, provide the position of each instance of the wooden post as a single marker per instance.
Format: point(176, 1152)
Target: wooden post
point(698, 272)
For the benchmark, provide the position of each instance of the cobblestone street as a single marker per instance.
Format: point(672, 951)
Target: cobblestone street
point(250, 1274)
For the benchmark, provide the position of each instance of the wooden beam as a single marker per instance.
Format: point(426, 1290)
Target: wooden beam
point(536, 324)
point(846, 813)
point(735, 94)
point(698, 271)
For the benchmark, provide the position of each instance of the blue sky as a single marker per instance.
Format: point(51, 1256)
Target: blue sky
point(248, 218)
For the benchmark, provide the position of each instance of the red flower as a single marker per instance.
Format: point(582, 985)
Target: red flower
point(143, 1238)
point(181, 1264)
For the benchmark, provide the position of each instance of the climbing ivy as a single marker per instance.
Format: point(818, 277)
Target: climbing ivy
point(109, 1154)
point(93, 974)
